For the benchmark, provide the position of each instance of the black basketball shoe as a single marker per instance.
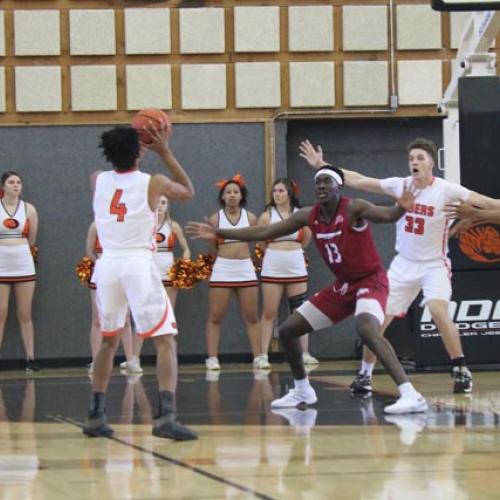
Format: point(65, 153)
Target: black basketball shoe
point(362, 384)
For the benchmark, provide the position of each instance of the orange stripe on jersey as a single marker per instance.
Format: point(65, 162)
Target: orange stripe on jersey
point(26, 228)
point(151, 332)
point(171, 240)
point(232, 284)
point(17, 279)
point(300, 235)
point(270, 279)
point(111, 333)
point(97, 246)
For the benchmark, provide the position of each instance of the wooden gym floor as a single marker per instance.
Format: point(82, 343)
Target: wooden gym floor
point(342, 448)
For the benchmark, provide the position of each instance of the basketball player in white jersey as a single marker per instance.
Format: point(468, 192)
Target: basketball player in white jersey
point(422, 261)
point(125, 203)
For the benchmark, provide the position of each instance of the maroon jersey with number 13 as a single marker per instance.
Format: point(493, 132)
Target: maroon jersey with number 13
point(348, 251)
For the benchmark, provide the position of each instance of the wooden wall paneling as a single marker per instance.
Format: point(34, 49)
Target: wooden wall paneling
point(269, 156)
point(8, 62)
point(121, 81)
point(337, 51)
point(229, 49)
point(284, 61)
point(65, 61)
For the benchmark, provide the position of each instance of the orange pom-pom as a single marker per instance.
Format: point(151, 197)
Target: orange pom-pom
point(258, 256)
point(84, 270)
point(34, 253)
point(183, 274)
point(204, 264)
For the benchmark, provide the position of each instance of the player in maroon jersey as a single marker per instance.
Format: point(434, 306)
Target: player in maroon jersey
point(343, 237)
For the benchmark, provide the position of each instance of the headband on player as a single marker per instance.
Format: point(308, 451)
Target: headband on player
point(328, 171)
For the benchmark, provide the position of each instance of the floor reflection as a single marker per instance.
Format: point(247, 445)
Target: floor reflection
point(19, 462)
point(344, 447)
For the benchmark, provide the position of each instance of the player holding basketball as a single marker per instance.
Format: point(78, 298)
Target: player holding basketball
point(125, 203)
point(340, 229)
point(422, 260)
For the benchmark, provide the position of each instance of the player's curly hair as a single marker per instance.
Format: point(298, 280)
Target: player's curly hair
point(425, 144)
point(120, 146)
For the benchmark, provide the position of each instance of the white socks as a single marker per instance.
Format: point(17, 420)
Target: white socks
point(302, 385)
point(367, 368)
point(407, 389)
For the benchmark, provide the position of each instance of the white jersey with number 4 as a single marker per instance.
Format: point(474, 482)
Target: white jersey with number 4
point(123, 218)
point(422, 233)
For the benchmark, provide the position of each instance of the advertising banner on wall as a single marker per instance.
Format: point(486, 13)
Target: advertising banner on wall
point(475, 310)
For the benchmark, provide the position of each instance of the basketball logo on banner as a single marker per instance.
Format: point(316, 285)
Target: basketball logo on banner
point(481, 243)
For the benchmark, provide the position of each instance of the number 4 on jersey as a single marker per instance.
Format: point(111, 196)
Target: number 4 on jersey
point(117, 208)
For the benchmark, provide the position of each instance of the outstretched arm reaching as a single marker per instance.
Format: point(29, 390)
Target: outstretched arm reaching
point(198, 230)
point(362, 182)
point(365, 210)
point(476, 215)
point(314, 158)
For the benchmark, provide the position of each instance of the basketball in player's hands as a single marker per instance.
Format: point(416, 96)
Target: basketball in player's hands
point(150, 118)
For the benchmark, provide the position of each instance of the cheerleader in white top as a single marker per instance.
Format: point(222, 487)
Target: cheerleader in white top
point(233, 270)
point(283, 267)
point(421, 263)
point(168, 233)
point(18, 229)
point(94, 251)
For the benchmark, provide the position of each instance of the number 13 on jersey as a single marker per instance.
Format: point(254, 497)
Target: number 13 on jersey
point(117, 208)
point(334, 255)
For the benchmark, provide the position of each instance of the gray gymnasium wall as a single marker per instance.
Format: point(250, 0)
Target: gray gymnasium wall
point(56, 162)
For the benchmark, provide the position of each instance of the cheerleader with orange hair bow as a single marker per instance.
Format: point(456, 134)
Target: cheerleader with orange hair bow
point(283, 266)
point(18, 229)
point(233, 270)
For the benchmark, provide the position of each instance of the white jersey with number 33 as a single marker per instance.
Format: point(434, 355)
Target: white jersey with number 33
point(122, 214)
point(422, 233)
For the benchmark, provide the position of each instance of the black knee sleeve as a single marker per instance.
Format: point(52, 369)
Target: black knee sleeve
point(296, 301)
